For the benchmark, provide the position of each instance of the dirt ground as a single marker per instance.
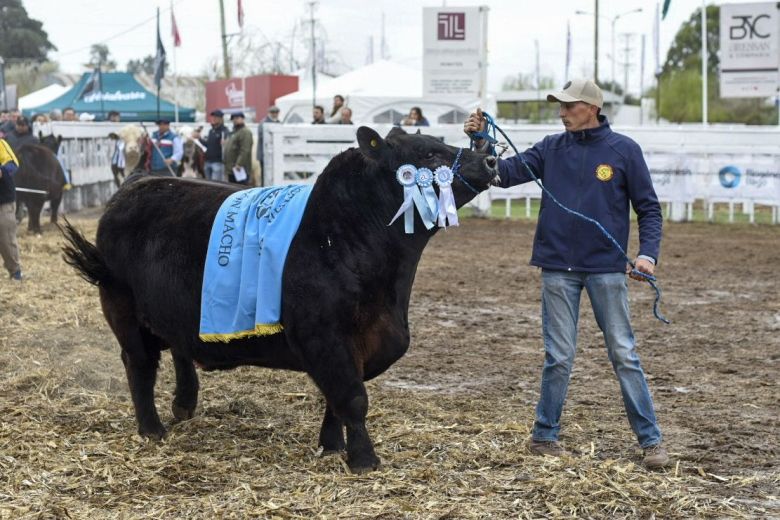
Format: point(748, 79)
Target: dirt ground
point(450, 420)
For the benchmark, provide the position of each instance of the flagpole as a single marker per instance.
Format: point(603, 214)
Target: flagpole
point(704, 63)
point(100, 90)
point(175, 72)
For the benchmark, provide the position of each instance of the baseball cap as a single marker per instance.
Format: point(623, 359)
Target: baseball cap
point(163, 121)
point(217, 113)
point(579, 89)
point(236, 114)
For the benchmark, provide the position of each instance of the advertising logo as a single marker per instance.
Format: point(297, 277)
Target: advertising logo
point(729, 176)
point(452, 26)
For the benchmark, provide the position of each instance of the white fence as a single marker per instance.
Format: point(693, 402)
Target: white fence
point(718, 164)
point(732, 165)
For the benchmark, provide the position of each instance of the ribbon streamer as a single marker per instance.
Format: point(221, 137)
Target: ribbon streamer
point(447, 209)
point(424, 180)
point(407, 177)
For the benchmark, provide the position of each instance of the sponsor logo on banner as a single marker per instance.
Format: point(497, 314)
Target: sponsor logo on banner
point(749, 49)
point(452, 26)
point(729, 176)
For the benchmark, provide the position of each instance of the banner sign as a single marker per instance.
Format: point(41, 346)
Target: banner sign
point(454, 51)
point(749, 49)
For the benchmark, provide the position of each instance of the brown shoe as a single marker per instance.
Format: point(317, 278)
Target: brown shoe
point(551, 448)
point(656, 457)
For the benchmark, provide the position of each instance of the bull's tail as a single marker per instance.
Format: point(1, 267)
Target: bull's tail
point(82, 255)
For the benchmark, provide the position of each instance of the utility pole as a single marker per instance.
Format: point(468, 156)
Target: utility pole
point(627, 50)
point(642, 82)
point(538, 86)
point(382, 49)
point(312, 21)
point(225, 59)
point(596, 44)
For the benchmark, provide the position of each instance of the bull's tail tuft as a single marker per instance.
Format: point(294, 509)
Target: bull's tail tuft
point(82, 255)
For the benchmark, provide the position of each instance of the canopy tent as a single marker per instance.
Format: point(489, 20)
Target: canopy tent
point(120, 91)
point(382, 92)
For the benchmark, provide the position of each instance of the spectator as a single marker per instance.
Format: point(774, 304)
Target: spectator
point(8, 125)
point(335, 113)
point(21, 135)
point(346, 116)
point(272, 117)
point(69, 114)
point(9, 249)
point(117, 159)
point(415, 118)
point(164, 158)
point(40, 119)
point(113, 116)
point(55, 114)
point(238, 151)
point(319, 115)
point(218, 134)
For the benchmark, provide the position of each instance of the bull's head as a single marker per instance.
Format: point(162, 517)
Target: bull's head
point(475, 172)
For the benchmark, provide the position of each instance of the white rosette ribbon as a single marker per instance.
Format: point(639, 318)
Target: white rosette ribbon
point(407, 177)
point(424, 180)
point(447, 209)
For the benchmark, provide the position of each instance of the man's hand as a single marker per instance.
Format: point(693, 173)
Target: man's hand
point(643, 266)
point(475, 123)
point(168, 161)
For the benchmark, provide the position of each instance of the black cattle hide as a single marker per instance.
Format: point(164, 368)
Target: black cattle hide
point(345, 293)
point(39, 170)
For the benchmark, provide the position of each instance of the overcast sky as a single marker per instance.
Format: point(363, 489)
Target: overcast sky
point(513, 25)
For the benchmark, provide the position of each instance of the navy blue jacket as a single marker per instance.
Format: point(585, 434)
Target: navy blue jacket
point(596, 172)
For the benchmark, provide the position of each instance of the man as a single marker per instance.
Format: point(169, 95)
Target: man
point(272, 117)
point(9, 124)
point(346, 116)
point(21, 135)
point(238, 151)
point(113, 116)
point(335, 112)
point(9, 249)
point(69, 114)
point(218, 134)
point(164, 158)
point(597, 172)
point(318, 113)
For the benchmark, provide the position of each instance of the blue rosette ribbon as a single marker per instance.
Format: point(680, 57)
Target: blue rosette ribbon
point(407, 177)
point(448, 211)
point(424, 180)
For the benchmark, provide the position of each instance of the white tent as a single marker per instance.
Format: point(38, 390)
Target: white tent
point(382, 92)
point(42, 96)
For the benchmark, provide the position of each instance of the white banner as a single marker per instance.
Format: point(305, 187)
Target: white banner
point(747, 177)
point(672, 176)
point(454, 51)
point(749, 49)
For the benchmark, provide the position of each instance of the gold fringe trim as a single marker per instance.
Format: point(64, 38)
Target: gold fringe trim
point(261, 329)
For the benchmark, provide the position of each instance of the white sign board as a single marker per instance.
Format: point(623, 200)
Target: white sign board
point(454, 51)
point(749, 49)
point(753, 177)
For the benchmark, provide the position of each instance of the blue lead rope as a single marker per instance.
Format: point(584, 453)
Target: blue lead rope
point(491, 128)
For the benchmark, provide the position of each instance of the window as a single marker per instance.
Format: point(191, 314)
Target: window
point(453, 117)
point(391, 116)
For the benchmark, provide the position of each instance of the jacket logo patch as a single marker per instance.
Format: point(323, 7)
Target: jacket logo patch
point(604, 172)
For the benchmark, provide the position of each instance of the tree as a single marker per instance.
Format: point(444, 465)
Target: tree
point(23, 39)
point(681, 79)
point(144, 65)
point(99, 56)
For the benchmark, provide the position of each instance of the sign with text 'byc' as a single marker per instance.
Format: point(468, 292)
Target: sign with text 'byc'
point(749, 58)
point(454, 51)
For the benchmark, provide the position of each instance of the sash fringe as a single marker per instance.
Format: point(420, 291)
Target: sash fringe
point(261, 329)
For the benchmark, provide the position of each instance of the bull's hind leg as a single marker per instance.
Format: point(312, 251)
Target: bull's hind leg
point(141, 357)
point(332, 432)
point(186, 395)
point(54, 206)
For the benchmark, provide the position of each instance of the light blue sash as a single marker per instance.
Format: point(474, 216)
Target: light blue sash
point(242, 279)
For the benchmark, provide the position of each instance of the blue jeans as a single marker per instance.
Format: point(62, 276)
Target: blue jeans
point(608, 294)
point(214, 171)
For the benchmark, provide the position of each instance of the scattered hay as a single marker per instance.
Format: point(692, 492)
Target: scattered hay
point(68, 447)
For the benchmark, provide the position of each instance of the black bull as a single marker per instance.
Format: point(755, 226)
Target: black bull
point(40, 171)
point(345, 293)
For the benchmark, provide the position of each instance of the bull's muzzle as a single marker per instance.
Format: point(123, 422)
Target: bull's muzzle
point(491, 164)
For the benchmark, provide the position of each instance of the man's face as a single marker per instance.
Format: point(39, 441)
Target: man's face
point(14, 115)
point(69, 115)
point(317, 113)
point(3, 117)
point(216, 120)
point(114, 118)
point(274, 115)
point(164, 127)
point(22, 128)
point(346, 115)
point(238, 121)
point(577, 115)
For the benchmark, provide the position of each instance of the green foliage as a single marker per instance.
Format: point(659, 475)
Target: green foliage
point(99, 55)
point(144, 65)
point(30, 76)
point(685, 52)
point(527, 82)
point(21, 37)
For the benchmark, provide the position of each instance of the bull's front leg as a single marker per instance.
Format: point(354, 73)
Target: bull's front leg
point(332, 432)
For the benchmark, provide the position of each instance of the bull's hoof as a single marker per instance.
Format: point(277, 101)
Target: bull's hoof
point(155, 433)
point(360, 465)
point(181, 413)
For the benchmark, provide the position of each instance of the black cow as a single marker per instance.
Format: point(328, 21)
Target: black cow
point(39, 170)
point(346, 284)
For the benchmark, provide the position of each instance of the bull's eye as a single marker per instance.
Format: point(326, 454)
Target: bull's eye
point(429, 155)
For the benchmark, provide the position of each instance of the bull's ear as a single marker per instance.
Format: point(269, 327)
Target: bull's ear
point(371, 144)
point(418, 132)
point(396, 130)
